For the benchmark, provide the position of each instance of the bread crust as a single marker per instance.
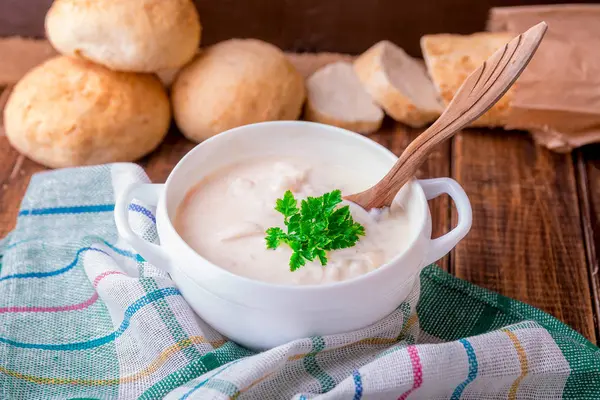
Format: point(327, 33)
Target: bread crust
point(364, 127)
point(369, 68)
point(67, 112)
point(450, 59)
point(131, 35)
point(234, 83)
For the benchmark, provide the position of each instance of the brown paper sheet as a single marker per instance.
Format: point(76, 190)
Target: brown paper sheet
point(557, 98)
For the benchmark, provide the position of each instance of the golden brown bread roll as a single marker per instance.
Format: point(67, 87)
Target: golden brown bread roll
point(126, 35)
point(69, 112)
point(234, 83)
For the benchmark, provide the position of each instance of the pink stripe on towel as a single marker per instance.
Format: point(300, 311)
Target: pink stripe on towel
point(417, 371)
point(71, 307)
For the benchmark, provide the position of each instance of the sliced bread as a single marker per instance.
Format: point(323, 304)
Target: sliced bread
point(399, 84)
point(336, 97)
point(450, 59)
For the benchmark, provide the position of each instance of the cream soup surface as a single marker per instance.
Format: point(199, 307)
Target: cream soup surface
point(224, 218)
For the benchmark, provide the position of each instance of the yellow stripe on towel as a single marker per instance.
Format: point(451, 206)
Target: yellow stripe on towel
point(512, 394)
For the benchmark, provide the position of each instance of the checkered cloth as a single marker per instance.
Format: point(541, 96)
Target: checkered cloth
point(83, 316)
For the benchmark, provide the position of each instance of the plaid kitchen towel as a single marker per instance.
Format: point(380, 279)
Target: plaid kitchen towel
point(83, 316)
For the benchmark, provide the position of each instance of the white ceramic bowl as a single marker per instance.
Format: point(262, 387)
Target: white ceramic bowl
point(260, 315)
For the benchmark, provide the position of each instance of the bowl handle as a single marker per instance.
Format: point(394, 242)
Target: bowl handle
point(149, 193)
point(433, 188)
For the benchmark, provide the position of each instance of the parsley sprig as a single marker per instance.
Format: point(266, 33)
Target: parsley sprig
point(315, 228)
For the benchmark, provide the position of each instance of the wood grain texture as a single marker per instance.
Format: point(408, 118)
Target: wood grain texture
point(588, 168)
point(396, 137)
point(15, 172)
point(158, 164)
point(347, 26)
point(526, 241)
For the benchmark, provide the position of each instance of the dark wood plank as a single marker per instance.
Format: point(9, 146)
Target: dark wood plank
point(348, 26)
point(158, 164)
point(15, 172)
point(396, 137)
point(526, 241)
point(588, 163)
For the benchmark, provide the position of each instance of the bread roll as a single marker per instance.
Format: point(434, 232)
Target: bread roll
point(335, 96)
point(126, 35)
point(69, 112)
point(399, 84)
point(234, 83)
point(450, 60)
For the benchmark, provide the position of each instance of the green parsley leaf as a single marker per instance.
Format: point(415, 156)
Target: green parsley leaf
point(274, 237)
point(296, 261)
point(315, 228)
point(288, 205)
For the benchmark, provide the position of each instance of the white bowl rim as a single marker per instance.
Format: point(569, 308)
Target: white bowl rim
point(312, 287)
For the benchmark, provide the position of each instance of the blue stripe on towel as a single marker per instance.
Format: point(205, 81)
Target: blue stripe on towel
point(68, 210)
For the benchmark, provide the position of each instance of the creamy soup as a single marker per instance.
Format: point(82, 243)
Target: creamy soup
point(224, 218)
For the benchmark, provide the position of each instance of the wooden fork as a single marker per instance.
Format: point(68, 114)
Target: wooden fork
point(478, 93)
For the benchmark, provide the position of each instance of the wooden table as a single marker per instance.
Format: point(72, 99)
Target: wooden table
point(535, 213)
